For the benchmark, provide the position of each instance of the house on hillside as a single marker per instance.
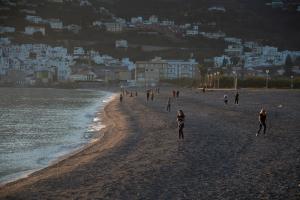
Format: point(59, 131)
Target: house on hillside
point(34, 19)
point(7, 29)
point(148, 72)
point(73, 28)
point(121, 44)
point(153, 19)
point(113, 27)
point(55, 24)
point(78, 52)
point(4, 41)
point(30, 30)
point(177, 69)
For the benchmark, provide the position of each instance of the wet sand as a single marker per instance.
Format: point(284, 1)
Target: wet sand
point(141, 157)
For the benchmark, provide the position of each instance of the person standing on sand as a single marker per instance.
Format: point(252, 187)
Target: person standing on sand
point(121, 97)
point(180, 122)
point(262, 121)
point(177, 93)
point(236, 98)
point(152, 95)
point(148, 94)
point(225, 99)
point(169, 105)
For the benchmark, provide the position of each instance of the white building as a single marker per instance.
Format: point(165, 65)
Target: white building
point(4, 41)
point(153, 19)
point(97, 23)
point(121, 44)
point(114, 27)
point(177, 69)
point(30, 30)
point(125, 62)
point(7, 29)
point(191, 32)
point(73, 28)
point(136, 20)
point(55, 24)
point(233, 40)
point(167, 23)
point(250, 45)
point(78, 51)
point(34, 19)
point(220, 61)
point(234, 50)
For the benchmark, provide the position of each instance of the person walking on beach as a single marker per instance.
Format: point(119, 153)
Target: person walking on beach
point(180, 122)
point(148, 94)
point(262, 121)
point(225, 99)
point(236, 98)
point(121, 97)
point(169, 105)
point(177, 93)
point(152, 95)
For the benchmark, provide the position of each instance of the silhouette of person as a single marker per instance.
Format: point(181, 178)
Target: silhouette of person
point(169, 105)
point(236, 98)
point(180, 122)
point(262, 121)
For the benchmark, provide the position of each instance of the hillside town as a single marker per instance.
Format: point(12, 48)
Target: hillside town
point(39, 63)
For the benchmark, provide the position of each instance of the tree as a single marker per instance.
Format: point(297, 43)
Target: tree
point(288, 61)
point(288, 65)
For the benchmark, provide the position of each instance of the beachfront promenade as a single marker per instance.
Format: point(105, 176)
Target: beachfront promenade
point(140, 156)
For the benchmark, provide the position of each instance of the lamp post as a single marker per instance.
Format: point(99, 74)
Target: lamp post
point(292, 82)
point(215, 79)
point(235, 79)
point(218, 76)
point(267, 80)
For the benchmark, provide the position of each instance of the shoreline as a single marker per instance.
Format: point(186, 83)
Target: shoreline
point(141, 157)
point(22, 176)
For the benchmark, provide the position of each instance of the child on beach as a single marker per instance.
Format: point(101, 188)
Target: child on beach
point(169, 105)
point(225, 99)
point(262, 121)
point(180, 122)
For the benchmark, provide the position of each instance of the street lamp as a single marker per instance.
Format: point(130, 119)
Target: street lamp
point(215, 76)
point(218, 76)
point(235, 79)
point(292, 82)
point(267, 80)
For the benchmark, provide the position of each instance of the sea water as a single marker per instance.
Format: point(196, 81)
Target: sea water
point(37, 126)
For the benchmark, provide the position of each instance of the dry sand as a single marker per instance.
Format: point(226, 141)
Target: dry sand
point(141, 157)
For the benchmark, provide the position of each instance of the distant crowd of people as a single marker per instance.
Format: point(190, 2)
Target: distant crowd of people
point(180, 117)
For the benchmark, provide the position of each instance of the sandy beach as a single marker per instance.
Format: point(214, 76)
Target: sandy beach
point(141, 157)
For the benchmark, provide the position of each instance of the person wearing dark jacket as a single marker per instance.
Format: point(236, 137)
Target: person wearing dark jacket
point(169, 104)
point(262, 121)
point(236, 98)
point(180, 122)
